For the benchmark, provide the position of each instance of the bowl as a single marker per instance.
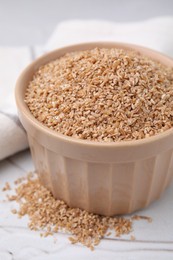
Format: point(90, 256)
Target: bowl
point(103, 178)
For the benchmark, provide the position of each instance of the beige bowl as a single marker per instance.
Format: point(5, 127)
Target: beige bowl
point(104, 178)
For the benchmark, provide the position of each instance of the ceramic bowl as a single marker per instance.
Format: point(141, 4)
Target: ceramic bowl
point(104, 178)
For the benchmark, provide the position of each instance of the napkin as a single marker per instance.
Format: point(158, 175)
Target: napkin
point(154, 33)
point(12, 134)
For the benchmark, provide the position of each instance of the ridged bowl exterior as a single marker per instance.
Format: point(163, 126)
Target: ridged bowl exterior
point(107, 179)
point(103, 188)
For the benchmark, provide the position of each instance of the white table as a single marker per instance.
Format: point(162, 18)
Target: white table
point(153, 240)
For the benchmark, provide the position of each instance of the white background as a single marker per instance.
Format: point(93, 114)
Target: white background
point(24, 22)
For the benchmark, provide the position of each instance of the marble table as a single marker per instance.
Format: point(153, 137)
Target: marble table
point(153, 240)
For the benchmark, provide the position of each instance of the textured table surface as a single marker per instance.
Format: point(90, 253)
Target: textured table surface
point(153, 240)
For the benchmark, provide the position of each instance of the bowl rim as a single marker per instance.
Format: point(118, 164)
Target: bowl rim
point(23, 108)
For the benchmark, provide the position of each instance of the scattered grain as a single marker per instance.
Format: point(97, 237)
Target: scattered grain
point(14, 211)
point(132, 237)
point(6, 187)
point(137, 217)
point(12, 197)
point(50, 216)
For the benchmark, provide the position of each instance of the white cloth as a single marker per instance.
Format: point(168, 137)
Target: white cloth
point(12, 135)
point(155, 33)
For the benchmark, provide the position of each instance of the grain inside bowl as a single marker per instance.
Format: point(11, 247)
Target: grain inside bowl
point(103, 95)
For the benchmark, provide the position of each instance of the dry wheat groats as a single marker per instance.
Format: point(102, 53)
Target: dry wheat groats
point(103, 95)
point(51, 216)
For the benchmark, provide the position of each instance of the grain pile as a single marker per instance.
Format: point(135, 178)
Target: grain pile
point(49, 215)
point(103, 95)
